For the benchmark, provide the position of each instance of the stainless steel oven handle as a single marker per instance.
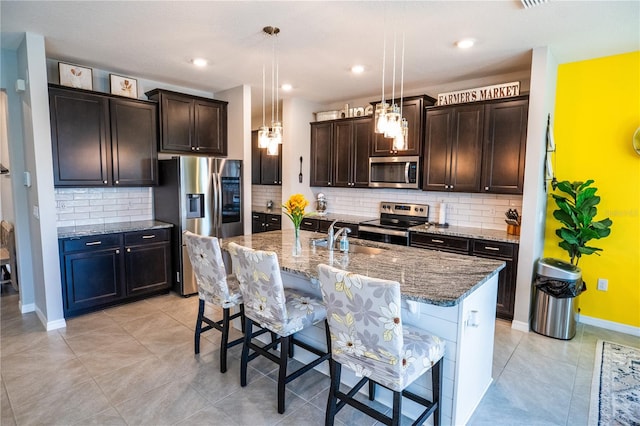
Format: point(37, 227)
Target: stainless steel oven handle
point(383, 231)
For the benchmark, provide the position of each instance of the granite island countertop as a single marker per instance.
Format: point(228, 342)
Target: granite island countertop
point(110, 228)
point(468, 232)
point(428, 276)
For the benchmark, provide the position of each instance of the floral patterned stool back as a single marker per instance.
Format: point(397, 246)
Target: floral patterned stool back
point(214, 287)
point(369, 338)
point(275, 309)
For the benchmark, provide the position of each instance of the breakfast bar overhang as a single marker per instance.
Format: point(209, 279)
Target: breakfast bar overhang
point(449, 295)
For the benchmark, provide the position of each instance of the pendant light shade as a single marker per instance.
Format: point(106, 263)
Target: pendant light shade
point(270, 137)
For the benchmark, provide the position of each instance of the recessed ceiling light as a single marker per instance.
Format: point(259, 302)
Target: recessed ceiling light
point(357, 69)
point(199, 62)
point(286, 87)
point(465, 43)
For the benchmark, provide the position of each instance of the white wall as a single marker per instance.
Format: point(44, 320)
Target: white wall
point(40, 196)
point(544, 73)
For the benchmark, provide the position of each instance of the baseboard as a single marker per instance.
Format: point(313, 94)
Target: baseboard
point(50, 325)
point(610, 325)
point(27, 307)
point(520, 326)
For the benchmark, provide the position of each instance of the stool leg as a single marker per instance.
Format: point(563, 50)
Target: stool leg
point(397, 408)
point(242, 325)
point(436, 385)
point(372, 390)
point(332, 402)
point(244, 359)
point(224, 341)
point(282, 373)
point(198, 326)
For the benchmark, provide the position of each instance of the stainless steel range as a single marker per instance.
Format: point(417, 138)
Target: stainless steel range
point(394, 223)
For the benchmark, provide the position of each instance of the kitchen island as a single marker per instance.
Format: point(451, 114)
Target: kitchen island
point(450, 295)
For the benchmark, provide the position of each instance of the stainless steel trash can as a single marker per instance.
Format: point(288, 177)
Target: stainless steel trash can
point(557, 286)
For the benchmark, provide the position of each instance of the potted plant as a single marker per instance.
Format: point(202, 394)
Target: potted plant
point(576, 212)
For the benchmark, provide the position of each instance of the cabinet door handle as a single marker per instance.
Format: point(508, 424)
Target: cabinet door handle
point(486, 188)
point(128, 250)
point(491, 248)
point(104, 181)
point(93, 243)
point(450, 186)
point(198, 148)
point(446, 187)
point(117, 251)
point(274, 219)
point(117, 182)
point(437, 241)
point(193, 148)
point(148, 236)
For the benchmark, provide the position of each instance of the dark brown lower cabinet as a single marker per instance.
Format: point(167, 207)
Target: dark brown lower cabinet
point(507, 252)
point(322, 225)
point(264, 222)
point(106, 270)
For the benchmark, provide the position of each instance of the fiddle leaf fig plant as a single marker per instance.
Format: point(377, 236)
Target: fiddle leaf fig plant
point(576, 212)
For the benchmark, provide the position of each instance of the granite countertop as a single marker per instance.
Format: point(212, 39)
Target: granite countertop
point(427, 276)
point(461, 231)
point(329, 216)
point(110, 228)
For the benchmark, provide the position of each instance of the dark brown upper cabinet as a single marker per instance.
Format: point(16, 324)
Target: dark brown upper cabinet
point(102, 140)
point(191, 124)
point(265, 169)
point(478, 147)
point(505, 139)
point(340, 152)
point(413, 111)
point(453, 147)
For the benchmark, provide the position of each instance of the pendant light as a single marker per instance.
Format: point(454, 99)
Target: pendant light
point(270, 137)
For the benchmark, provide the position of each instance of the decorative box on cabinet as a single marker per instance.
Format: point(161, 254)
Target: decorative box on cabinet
point(105, 270)
point(265, 169)
point(102, 140)
point(191, 124)
point(264, 222)
point(413, 111)
point(339, 152)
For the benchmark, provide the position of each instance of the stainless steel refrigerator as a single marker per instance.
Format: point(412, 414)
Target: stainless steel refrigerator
point(202, 195)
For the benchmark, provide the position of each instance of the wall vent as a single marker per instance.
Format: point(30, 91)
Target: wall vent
point(530, 3)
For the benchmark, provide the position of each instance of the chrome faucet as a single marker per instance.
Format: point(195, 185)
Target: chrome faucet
point(332, 236)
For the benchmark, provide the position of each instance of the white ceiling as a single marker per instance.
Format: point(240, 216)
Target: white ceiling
point(319, 41)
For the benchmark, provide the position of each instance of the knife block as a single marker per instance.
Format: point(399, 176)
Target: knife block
point(513, 229)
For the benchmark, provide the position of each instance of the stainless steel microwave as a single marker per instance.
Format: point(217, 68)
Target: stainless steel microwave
point(394, 172)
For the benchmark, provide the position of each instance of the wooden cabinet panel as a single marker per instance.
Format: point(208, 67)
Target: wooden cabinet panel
point(440, 242)
point(80, 138)
point(505, 138)
point(346, 161)
point(453, 146)
point(134, 138)
point(104, 270)
point(210, 127)
point(413, 111)
point(264, 222)
point(321, 154)
point(265, 169)
point(191, 124)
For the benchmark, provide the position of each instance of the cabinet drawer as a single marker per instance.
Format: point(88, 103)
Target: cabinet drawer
point(145, 237)
point(309, 225)
point(493, 248)
point(274, 219)
point(91, 243)
point(440, 242)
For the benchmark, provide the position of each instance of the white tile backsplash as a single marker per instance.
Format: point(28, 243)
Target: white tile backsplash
point(260, 194)
point(463, 209)
point(94, 206)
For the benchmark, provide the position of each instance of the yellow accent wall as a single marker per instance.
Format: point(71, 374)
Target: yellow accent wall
point(597, 111)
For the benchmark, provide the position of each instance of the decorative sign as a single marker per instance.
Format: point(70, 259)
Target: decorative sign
point(498, 91)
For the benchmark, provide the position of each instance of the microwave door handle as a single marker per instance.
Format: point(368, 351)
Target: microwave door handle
point(406, 171)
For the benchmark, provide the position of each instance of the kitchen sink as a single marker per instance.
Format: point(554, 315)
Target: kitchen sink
point(353, 248)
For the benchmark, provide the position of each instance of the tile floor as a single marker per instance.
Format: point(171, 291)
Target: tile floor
point(134, 364)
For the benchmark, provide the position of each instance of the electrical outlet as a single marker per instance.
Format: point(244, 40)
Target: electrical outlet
point(603, 284)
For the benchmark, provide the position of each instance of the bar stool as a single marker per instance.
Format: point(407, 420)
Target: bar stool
point(375, 344)
point(214, 287)
point(276, 310)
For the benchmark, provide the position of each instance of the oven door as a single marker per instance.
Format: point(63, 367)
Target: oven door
point(383, 235)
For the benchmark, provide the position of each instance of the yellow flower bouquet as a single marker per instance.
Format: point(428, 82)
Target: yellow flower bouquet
point(294, 208)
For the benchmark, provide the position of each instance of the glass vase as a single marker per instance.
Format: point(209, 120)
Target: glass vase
point(297, 245)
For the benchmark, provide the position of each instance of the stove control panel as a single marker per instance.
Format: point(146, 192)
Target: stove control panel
point(402, 209)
